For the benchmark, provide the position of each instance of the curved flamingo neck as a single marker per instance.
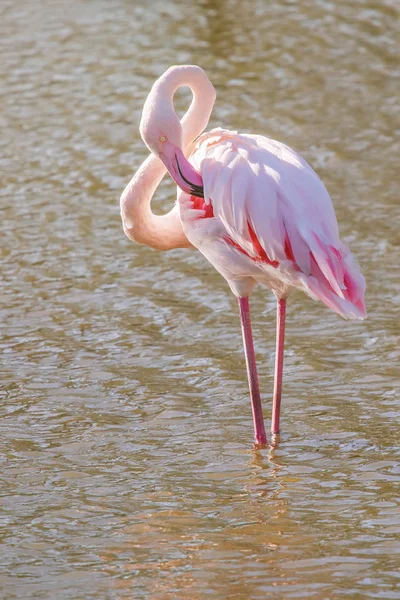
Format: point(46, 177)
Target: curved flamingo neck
point(141, 225)
point(139, 222)
point(198, 114)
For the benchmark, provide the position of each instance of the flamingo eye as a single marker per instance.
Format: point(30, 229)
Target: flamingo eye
point(163, 138)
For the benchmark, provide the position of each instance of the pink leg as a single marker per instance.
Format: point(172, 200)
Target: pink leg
point(258, 419)
point(280, 342)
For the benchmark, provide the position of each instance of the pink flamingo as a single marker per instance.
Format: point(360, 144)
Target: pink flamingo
point(255, 209)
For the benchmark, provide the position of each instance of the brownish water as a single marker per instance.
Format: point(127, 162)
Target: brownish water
point(127, 463)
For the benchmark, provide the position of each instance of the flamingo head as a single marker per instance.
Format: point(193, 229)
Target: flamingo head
point(161, 131)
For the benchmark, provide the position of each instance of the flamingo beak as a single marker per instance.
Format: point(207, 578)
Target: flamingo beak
point(185, 176)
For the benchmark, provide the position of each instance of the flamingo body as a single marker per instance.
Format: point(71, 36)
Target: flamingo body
point(255, 209)
point(267, 218)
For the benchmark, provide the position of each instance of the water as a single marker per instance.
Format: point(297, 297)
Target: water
point(126, 434)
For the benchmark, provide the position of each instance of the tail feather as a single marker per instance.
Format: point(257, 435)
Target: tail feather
point(336, 280)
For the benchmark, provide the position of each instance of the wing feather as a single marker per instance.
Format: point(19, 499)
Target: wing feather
point(274, 206)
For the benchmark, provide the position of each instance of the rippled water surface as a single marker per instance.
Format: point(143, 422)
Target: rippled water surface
point(126, 435)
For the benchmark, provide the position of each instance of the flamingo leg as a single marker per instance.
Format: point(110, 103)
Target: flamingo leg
point(280, 342)
point(258, 419)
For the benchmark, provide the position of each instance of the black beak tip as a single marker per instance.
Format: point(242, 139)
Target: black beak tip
point(195, 190)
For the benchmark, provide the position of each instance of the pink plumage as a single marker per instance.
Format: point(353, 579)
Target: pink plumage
point(255, 209)
point(268, 218)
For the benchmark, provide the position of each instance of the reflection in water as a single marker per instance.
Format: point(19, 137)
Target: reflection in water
point(127, 470)
point(250, 528)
